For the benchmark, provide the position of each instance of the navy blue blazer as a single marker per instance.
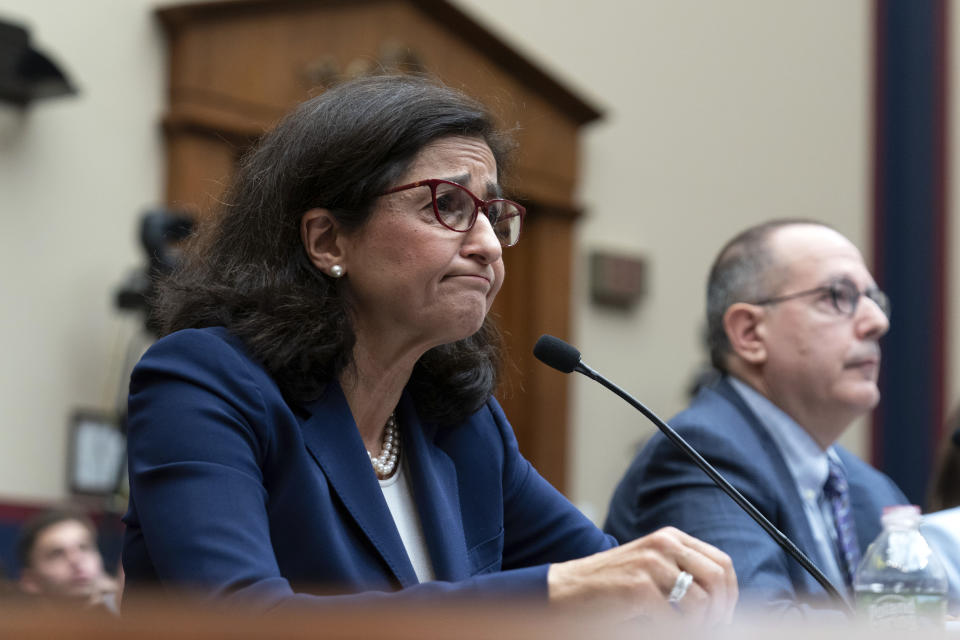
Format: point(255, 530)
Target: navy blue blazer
point(663, 487)
point(236, 491)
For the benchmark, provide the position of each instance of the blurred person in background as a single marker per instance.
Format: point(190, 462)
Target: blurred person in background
point(941, 528)
point(945, 482)
point(60, 561)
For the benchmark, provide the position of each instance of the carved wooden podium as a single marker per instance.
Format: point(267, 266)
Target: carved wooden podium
point(237, 66)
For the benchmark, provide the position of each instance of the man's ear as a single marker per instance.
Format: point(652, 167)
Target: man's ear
point(745, 330)
point(28, 582)
point(322, 238)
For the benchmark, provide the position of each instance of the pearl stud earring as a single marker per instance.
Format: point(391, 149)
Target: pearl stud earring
point(336, 271)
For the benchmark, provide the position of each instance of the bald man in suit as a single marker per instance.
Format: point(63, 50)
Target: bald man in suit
point(795, 320)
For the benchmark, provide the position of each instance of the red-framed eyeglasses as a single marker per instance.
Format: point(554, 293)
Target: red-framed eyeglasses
point(456, 208)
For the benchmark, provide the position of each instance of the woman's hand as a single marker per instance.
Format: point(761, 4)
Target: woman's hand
point(635, 579)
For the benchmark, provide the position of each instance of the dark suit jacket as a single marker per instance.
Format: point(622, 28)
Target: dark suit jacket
point(663, 487)
point(236, 491)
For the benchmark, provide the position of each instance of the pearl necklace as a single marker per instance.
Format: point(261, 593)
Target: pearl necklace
point(386, 463)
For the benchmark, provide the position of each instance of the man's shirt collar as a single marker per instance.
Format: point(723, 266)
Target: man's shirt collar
point(805, 459)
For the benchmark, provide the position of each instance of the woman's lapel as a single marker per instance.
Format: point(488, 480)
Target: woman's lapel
point(435, 486)
point(331, 436)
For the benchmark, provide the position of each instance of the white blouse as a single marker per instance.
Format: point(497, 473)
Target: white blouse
point(399, 496)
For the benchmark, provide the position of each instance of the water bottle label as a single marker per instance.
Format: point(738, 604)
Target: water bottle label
point(903, 611)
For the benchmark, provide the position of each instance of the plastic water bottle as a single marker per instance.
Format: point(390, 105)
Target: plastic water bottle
point(901, 583)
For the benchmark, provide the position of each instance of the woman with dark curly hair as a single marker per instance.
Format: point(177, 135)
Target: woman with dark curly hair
point(318, 421)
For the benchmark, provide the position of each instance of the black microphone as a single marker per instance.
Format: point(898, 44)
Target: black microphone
point(556, 353)
point(956, 434)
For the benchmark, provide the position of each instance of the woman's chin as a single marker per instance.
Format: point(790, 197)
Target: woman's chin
point(463, 329)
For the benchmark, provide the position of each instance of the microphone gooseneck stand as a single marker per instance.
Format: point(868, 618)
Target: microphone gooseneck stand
point(565, 358)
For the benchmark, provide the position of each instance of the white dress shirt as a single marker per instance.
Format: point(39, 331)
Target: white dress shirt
point(942, 531)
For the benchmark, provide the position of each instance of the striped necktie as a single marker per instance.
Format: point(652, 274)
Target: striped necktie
point(837, 492)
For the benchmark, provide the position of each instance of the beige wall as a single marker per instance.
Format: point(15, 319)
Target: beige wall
point(74, 175)
point(719, 114)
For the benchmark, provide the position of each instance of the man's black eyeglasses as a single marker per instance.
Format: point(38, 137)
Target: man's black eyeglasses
point(843, 294)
